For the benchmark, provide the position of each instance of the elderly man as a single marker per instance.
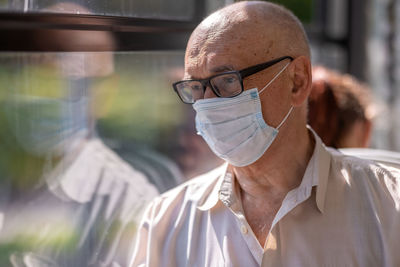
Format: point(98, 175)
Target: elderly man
point(282, 198)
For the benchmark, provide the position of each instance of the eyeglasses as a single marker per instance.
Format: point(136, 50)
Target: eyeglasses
point(226, 84)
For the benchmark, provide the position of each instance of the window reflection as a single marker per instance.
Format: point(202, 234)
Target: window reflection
point(87, 139)
point(146, 113)
point(67, 199)
point(178, 9)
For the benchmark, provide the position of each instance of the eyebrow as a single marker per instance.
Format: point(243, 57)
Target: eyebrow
point(214, 70)
point(222, 68)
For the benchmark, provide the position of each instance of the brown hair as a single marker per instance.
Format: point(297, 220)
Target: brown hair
point(336, 103)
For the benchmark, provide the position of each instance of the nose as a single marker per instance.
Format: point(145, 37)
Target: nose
point(208, 93)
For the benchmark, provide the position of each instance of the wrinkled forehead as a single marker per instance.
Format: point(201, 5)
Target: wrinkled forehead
point(239, 44)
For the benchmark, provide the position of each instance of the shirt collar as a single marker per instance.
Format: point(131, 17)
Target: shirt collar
point(316, 174)
point(70, 179)
point(322, 162)
point(212, 198)
point(318, 169)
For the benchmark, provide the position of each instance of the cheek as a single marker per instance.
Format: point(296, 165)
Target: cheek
point(275, 99)
point(250, 83)
point(275, 104)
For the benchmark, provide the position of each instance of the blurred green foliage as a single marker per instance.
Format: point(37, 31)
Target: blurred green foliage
point(144, 107)
point(60, 237)
point(134, 105)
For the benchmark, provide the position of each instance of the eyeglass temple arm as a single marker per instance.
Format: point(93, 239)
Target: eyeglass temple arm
point(254, 69)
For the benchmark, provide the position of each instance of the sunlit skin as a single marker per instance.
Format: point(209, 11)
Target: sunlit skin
point(239, 36)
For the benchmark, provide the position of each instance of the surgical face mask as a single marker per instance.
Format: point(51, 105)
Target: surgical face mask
point(234, 128)
point(44, 125)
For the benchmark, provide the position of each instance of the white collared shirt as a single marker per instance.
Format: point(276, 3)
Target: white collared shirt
point(346, 212)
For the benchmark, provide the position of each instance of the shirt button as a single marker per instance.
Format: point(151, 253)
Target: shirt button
point(243, 229)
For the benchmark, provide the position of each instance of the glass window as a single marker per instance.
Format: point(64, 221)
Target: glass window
point(178, 10)
point(87, 140)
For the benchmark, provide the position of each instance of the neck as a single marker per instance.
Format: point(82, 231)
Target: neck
point(280, 169)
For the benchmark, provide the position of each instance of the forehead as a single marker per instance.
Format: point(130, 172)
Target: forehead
point(208, 63)
point(234, 49)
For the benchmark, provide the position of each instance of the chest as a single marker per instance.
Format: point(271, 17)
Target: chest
point(260, 218)
point(299, 239)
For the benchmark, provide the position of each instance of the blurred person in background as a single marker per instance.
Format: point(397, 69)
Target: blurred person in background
point(66, 199)
point(341, 109)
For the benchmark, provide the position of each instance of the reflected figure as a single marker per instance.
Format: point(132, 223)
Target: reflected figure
point(341, 109)
point(66, 199)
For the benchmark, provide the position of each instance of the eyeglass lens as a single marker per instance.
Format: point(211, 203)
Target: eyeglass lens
point(225, 85)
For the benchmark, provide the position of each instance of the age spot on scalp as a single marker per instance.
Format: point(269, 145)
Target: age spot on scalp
point(270, 44)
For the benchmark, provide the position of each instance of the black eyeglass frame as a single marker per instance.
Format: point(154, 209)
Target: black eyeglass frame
point(246, 72)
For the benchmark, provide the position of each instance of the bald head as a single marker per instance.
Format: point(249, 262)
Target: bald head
point(264, 29)
point(248, 33)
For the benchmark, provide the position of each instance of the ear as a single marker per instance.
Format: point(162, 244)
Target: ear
point(300, 74)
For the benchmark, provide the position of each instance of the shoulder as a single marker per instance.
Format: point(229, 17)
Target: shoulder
point(95, 170)
point(114, 169)
point(371, 177)
point(190, 194)
point(354, 163)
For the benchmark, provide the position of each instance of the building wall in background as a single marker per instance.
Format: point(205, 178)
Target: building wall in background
point(383, 68)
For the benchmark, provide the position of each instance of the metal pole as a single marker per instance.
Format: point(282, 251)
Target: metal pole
point(357, 38)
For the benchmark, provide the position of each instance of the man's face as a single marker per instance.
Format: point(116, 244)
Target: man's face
point(237, 49)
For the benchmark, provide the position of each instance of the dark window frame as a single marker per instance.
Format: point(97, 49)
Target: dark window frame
point(19, 31)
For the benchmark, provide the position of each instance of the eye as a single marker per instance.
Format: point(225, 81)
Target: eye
point(230, 79)
point(196, 87)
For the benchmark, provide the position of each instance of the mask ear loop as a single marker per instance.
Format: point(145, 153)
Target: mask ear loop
point(284, 119)
point(273, 79)
point(265, 87)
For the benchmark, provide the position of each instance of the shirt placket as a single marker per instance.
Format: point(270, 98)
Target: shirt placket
point(249, 236)
point(291, 201)
point(228, 195)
